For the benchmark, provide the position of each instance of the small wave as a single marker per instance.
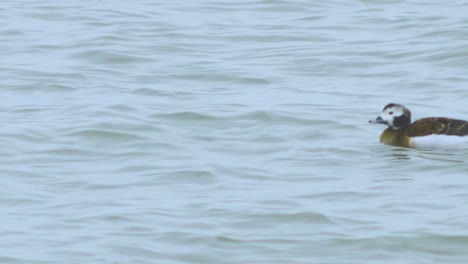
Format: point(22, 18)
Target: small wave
point(285, 218)
point(186, 116)
point(106, 57)
point(105, 135)
point(189, 176)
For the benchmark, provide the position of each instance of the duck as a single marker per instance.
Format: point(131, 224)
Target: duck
point(423, 133)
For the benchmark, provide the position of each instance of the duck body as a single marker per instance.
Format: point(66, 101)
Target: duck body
point(426, 132)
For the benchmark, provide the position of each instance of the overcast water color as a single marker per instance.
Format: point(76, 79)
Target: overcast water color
point(229, 131)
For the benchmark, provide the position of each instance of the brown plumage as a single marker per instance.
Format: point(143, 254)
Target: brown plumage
point(439, 126)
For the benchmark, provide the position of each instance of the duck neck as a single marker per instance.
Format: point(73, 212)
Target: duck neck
point(394, 137)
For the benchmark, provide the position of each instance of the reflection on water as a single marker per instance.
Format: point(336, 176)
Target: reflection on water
point(445, 155)
point(170, 132)
point(401, 155)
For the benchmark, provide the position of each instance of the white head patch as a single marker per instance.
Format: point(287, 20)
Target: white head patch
point(396, 116)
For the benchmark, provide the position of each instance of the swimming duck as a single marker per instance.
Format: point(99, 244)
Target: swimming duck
point(426, 132)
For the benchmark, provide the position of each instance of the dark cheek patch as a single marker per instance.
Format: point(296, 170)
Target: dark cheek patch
point(402, 121)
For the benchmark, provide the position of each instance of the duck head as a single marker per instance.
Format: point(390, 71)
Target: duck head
point(396, 116)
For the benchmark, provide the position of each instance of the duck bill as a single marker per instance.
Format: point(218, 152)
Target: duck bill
point(378, 120)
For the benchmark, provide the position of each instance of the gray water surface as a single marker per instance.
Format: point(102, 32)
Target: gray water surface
point(229, 132)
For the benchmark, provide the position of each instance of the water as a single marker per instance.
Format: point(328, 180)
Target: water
point(228, 132)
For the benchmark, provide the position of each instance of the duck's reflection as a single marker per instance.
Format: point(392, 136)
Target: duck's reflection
point(400, 154)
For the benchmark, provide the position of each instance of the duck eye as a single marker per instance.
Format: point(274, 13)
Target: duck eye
point(390, 113)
